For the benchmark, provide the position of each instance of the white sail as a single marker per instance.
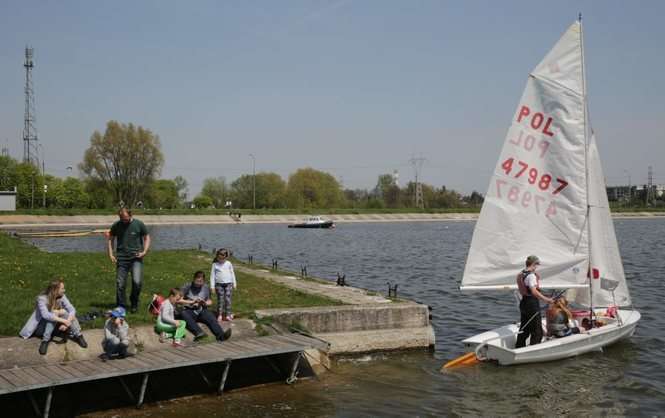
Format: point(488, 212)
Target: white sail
point(605, 256)
point(538, 194)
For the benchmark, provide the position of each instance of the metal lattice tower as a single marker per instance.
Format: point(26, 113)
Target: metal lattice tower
point(649, 191)
point(418, 199)
point(5, 150)
point(29, 130)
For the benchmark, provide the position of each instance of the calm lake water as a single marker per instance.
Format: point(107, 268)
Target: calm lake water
point(426, 259)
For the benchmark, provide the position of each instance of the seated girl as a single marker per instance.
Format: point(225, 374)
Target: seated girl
point(167, 326)
point(560, 322)
point(53, 314)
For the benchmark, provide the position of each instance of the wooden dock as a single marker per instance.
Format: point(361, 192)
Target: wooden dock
point(46, 377)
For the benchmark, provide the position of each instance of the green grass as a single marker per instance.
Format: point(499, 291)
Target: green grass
point(90, 283)
point(305, 211)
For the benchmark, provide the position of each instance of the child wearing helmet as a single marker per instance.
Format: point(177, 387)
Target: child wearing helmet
point(116, 335)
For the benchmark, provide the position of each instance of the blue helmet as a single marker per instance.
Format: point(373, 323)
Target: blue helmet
point(119, 312)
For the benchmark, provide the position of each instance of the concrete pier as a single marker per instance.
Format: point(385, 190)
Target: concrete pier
point(367, 322)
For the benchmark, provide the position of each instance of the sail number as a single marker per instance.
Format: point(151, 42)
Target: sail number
point(528, 142)
point(525, 198)
point(537, 120)
point(542, 181)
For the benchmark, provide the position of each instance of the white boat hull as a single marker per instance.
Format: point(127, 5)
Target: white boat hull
point(498, 344)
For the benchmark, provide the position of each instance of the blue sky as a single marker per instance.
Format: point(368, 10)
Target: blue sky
point(355, 88)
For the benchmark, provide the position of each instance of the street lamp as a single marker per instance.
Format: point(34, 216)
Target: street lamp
point(253, 181)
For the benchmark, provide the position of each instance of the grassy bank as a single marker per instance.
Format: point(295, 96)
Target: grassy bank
point(304, 212)
point(90, 283)
point(139, 212)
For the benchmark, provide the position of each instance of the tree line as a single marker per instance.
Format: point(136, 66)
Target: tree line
point(122, 166)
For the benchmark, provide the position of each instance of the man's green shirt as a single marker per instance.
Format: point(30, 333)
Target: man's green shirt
point(129, 238)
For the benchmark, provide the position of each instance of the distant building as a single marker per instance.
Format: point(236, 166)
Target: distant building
point(620, 193)
point(626, 193)
point(8, 200)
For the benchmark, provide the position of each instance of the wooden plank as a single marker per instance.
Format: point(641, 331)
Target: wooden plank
point(31, 378)
point(208, 352)
point(54, 377)
point(153, 357)
point(137, 365)
point(228, 347)
point(85, 367)
point(238, 350)
point(274, 343)
point(254, 348)
point(170, 357)
point(292, 341)
point(4, 383)
point(216, 351)
point(72, 372)
point(101, 367)
point(17, 377)
point(192, 353)
point(38, 377)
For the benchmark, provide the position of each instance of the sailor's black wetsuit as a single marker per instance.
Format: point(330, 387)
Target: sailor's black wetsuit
point(530, 319)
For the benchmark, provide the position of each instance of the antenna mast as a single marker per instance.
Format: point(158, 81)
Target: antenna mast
point(29, 131)
point(418, 199)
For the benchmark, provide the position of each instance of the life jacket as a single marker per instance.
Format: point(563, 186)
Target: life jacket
point(523, 289)
point(156, 304)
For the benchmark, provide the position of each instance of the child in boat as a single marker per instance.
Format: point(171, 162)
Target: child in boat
point(560, 322)
point(116, 335)
point(223, 280)
point(167, 326)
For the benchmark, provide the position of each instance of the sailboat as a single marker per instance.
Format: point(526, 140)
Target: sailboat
point(547, 197)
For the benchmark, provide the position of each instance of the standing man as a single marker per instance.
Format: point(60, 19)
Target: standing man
point(531, 323)
point(133, 243)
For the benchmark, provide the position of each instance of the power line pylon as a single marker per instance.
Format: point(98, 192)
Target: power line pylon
point(418, 200)
point(29, 130)
point(649, 192)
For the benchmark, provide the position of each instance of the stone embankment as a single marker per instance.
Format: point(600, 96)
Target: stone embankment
point(366, 322)
point(104, 221)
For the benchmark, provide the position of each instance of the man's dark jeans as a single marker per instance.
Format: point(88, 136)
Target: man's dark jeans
point(192, 318)
point(122, 270)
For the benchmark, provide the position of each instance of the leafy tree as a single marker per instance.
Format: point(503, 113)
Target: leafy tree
point(73, 194)
point(126, 158)
point(164, 195)
point(99, 193)
point(474, 199)
point(310, 188)
point(202, 202)
point(216, 190)
point(8, 178)
point(29, 183)
point(270, 191)
point(181, 187)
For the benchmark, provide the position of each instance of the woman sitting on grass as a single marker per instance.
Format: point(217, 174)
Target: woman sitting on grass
point(53, 314)
point(167, 326)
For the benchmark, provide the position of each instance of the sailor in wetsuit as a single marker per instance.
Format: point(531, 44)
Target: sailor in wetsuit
point(528, 284)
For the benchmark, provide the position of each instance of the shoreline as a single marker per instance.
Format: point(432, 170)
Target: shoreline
point(39, 221)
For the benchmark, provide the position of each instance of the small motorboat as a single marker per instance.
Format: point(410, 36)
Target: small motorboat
point(314, 222)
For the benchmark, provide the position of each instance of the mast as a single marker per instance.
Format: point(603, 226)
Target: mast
point(586, 170)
